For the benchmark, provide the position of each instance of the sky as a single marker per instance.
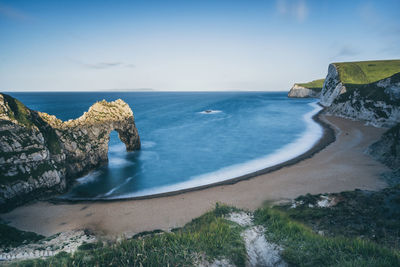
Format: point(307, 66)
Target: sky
point(188, 45)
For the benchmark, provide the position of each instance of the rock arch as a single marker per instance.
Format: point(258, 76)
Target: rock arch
point(41, 155)
point(85, 139)
point(128, 134)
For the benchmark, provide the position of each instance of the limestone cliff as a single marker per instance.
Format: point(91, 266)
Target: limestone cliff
point(298, 91)
point(40, 154)
point(332, 86)
point(377, 103)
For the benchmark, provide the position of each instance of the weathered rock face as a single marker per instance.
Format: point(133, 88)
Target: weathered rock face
point(376, 103)
point(85, 140)
point(40, 154)
point(332, 86)
point(387, 148)
point(298, 91)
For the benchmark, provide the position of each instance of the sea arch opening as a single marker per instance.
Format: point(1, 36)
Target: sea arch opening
point(115, 143)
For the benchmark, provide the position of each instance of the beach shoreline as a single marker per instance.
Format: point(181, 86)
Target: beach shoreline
point(328, 167)
point(328, 136)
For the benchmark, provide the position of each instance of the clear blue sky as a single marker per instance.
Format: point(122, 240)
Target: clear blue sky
point(187, 45)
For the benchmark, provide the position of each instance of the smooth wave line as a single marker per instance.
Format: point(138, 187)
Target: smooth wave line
point(306, 141)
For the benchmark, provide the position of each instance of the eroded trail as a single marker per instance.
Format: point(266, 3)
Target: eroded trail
point(260, 252)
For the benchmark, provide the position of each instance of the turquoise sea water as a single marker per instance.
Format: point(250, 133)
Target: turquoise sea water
point(183, 146)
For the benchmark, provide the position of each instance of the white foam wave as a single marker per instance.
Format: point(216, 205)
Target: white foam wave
point(148, 144)
point(118, 162)
point(302, 144)
point(118, 187)
point(90, 177)
point(210, 111)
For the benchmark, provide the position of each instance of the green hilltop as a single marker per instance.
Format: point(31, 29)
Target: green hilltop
point(315, 85)
point(371, 91)
point(364, 72)
point(359, 72)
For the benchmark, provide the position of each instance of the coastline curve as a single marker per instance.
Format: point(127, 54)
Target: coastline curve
point(312, 118)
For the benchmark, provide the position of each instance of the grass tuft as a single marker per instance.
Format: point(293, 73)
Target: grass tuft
point(303, 247)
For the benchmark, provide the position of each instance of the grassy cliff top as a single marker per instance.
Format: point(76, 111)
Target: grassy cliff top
point(364, 72)
point(315, 85)
point(13, 109)
point(372, 91)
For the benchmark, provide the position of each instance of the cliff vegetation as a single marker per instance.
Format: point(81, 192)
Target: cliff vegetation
point(364, 72)
point(367, 91)
point(305, 90)
point(315, 85)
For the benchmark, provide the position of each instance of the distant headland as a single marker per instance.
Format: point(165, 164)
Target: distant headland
point(364, 90)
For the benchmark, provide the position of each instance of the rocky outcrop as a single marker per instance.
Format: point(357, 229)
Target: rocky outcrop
point(332, 86)
point(85, 140)
point(298, 91)
point(41, 155)
point(376, 103)
point(387, 148)
point(47, 247)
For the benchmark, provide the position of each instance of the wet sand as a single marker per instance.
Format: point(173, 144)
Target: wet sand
point(342, 165)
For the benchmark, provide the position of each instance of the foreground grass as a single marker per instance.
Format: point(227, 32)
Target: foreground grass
point(364, 72)
point(355, 234)
point(315, 85)
point(209, 236)
point(303, 247)
point(372, 215)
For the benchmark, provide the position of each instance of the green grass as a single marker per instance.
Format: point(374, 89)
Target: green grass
point(50, 135)
point(366, 214)
point(315, 85)
point(29, 118)
point(18, 111)
point(12, 237)
point(370, 91)
point(209, 235)
point(303, 247)
point(364, 72)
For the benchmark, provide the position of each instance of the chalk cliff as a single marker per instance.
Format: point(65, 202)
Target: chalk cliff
point(332, 86)
point(298, 91)
point(377, 103)
point(41, 155)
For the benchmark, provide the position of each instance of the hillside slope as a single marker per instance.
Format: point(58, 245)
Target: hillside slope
point(368, 91)
point(363, 72)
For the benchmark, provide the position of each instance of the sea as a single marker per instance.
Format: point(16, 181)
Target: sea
point(189, 139)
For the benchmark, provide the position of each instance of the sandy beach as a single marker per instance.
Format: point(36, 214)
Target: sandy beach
point(342, 165)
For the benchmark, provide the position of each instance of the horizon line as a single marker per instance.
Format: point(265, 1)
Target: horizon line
point(131, 90)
